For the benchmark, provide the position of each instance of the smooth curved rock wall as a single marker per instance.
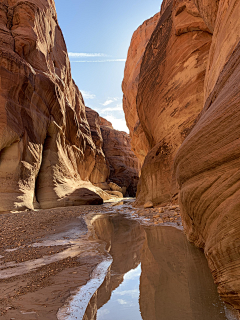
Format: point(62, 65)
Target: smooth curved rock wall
point(207, 163)
point(169, 94)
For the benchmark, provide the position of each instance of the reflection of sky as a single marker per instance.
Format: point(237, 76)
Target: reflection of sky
point(124, 300)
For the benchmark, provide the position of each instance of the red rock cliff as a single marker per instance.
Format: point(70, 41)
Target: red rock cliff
point(124, 165)
point(48, 155)
point(191, 65)
point(169, 94)
point(208, 162)
point(140, 38)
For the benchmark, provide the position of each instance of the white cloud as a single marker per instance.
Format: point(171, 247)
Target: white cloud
point(109, 60)
point(107, 102)
point(118, 124)
point(80, 54)
point(102, 312)
point(110, 100)
point(134, 273)
point(116, 108)
point(133, 293)
point(121, 301)
point(87, 95)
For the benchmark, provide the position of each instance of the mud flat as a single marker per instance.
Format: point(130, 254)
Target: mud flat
point(87, 262)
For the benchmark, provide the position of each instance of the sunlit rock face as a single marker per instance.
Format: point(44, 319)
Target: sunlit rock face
point(208, 162)
point(140, 38)
point(170, 94)
point(47, 153)
point(124, 165)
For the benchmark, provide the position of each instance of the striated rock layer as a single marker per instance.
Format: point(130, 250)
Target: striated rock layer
point(124, 165)
point(140, 38)
point(48, 155)
point(208, 162)
point(169, 94)
point(46, 147)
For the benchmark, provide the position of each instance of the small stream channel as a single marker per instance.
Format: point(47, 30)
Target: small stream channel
point(152, 273)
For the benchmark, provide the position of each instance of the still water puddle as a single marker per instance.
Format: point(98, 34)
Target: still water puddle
point(124, 299)
point(156, 274)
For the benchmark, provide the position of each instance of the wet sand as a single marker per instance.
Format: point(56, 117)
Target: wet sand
point(47, 255)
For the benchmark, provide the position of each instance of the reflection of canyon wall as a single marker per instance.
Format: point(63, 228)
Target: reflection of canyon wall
point(175, 281)
point(124, 238)
point(208, 162)
point(124, 165)
point(48, 156)
point(170, 93)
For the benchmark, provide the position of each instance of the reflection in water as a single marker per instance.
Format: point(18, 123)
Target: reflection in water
point(175, 281)
point(124, 299)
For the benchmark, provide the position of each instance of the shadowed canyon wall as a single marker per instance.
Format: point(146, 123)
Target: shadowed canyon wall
point(47, 154)
point(187, 104)
point(124, 165)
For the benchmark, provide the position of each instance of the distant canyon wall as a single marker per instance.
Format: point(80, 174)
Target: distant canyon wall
point(187, 102)
point(48, 154)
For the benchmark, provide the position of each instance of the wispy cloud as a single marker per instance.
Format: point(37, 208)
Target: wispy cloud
point(121, 301)
point(109, 101)
point(116, 108)
point(133, 293)
point(96, 61)
point(82, 55)
point(117, 123)
point(87, 95)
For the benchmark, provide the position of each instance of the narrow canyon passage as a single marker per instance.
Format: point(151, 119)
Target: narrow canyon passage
point(104, 262)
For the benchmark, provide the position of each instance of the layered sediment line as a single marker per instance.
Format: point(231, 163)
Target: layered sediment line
point(49, 154)
point(169, 94)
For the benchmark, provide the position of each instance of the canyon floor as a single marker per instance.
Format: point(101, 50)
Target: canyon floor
point(47, 255)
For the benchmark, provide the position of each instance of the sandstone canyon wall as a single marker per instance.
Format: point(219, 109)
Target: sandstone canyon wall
point(124, 165)
point(169, 93)
point(207, 164)
point(140, 38)
point(187, 103)
point(47, 154)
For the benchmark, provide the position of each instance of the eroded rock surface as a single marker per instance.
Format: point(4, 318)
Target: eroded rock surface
point(140, 38)
point(45, 140)
point(169, 93)
point(124, 165)
point(207, 163)
point(100, 172)
point(49, 155)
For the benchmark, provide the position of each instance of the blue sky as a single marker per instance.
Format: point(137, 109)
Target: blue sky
point(98, 34)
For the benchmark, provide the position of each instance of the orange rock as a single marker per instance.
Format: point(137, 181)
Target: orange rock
point(100, 172)
point(207, 164)
point(47, 153)
point(124, 165)
point(169, 94)
point(136, 50)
